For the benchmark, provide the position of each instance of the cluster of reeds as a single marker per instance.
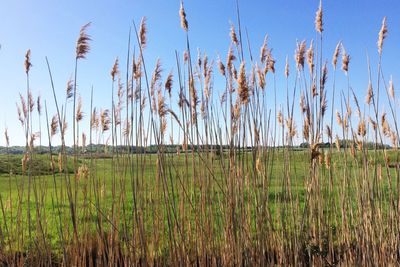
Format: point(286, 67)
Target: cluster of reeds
point(225, 185)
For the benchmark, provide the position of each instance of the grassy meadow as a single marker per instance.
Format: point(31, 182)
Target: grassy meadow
point(218, 178)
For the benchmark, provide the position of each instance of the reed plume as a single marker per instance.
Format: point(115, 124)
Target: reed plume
point(54, 125)
point(94, 122)
point(345, 60)
point(182, 15)
point(385, 125)
point(336, 54)
point(114, 71)
point(79, 112)
point(83, 172)
point(156, 75)
point(299, 54)
point(310, 57)
point(168, 83)
point(339, 118)
point(232, 34)
point(361, 129)
point(64, 127)
point(303, 107)
point(70, 89)
point(382, 35)
point(105, 120)
point(306, 128)
point(261, 77)
point(328, 160)
point(23, 106)
point(31, 102)
point(243, 89)
point(391, 89)
point(221, 67)
point(318, 19)
point(143, 33)
point(28, 64)
point(329, 131)
point(270, 62)
point(82, 44)
point(263, 50)
point(370, 94)
point(230, 58)
point(393, 139)
point(20, 118)
point(373, 123)
point(287, 68)
point(337, 143)
point(280, 117)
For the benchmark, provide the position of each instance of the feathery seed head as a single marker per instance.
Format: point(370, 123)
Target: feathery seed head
point(243, 89)
point(105, 120)
point(230, 58)
point(79, 112)
point(339, 118)
point(263, 50)
point(142, 33)
point(385, 125)
point(114, 70)
point(345, 60)
point(94, 122)
point(20, 118)
point(370, 94)
point(328, 160)
point(373, 123)
point(162, 107)
point(303, 107)
point(328, 132)
point(23, 105)
point(270, 61)
point(287, 67)
point(299, 54)
point(361, 129)
point(82, 44)
point(182, 14)
point(70, 89)
point(168, 83)
point(391, 88)
point(280, 117)
point(156, 75)
point(337, 143)
point(221, 67)
point(336, 55)
point(28, 64)
point(310, 57)
point(318, 19)
point(382, 35)
point(233, 35)
point(83, 172)
point(54, 125)
point(261, 77)
point(306, 128)
point(31, 102)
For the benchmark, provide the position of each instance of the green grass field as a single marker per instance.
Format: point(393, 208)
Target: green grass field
point(49, 199)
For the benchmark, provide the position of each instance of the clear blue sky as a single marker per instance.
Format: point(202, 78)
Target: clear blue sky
point(50, 28)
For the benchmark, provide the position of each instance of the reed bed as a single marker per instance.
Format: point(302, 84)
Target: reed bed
point(216, 179)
